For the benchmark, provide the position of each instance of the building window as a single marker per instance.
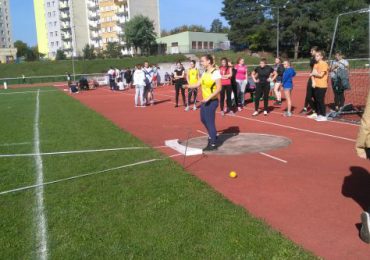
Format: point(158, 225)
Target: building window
point(57, 43)
point(52, 44)
point(174, 44)
point(205, 45)
point(193, 45)
point(51, 34)
point(200, 45)
point(56, 33)
point(55, 23)
point(211, 45)
point(49, 14)
point(48, 4)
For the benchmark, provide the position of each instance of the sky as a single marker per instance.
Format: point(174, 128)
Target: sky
point(173, 13)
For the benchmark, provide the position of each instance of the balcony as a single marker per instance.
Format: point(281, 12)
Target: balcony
point(92, 6)
point(63, 5)
point(94, 25)
point(122, 12)
point(65, 26)
point(93, 16)
point(67, 37)
point(120, 2)
point(64, 16)
point(95, 36)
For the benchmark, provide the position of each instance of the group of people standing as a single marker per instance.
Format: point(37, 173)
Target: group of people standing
point(145, 79)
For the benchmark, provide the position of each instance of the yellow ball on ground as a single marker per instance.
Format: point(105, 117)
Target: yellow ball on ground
point(233, 174)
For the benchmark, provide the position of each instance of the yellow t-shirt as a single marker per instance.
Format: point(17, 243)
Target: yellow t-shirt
point(208, 83)
point(320, 67)
point(193, 76)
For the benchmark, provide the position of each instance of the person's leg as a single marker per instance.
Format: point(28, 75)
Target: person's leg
point(235, 92)
point(239, 92)
point(222, 98)
point(320, 100)
point(257, 97)
point(288, 97)
point(203, 116)
point(266, 92)
point(210, 116)
point(342, 99)
point(228, 98)
point(277, 91)
point(242, 94)
point(183, 95)
point(177, 93)
point(190, 94)
point(137, 94)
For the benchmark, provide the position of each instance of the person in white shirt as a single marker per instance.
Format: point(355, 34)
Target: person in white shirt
point(139, 82)
point(148, 71)
point(111, 76)
point(121, 85)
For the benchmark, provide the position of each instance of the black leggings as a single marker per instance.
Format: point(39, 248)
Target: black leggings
point(192, 92)
point(339, 99)
point(235, 91)
point(225, 90)
point(310, 96)
point(178, 88)
point(262, 89)
point(320, 101)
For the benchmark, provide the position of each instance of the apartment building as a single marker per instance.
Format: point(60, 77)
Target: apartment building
point(7, 51)
point(69, 25)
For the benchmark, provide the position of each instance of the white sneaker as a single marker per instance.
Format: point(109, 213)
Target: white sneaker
point(321, 119)
point(313, 116)
point(222, 113)
point(288, 114)
point(239, 109)
point(255, 113)
point(194, 107)
point(365, 228)
point(187, 108)
point(265, 113)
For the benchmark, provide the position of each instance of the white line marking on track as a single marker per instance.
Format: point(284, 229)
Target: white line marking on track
point(199, 131)
point(41, 185)
point(295, 128)
point(274, 157)
point(79, 152)
point(41, 236)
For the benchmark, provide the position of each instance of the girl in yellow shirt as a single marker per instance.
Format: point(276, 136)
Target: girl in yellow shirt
point(192, 78)
point(210, 84)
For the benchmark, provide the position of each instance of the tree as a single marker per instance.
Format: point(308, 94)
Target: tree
point(113, 50)
point(22, 48)
point(140, 33)
point(216, 26)
point(89, 52)
point(60, 55)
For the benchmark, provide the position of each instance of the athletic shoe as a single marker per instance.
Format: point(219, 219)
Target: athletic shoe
point(303, 111)
point(312, 116)
point(222, 113)
point(255, 113)
point(365, 228)
point(176, 105)
point(187, 108)
point(231, 113)
point(194, 107)
point(321, 119)
point(210, 148)
point(277, 103)
point(288, 114)
point(265, 113)
point(240, 109)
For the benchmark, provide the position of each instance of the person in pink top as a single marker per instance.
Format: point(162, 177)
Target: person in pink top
point(226, 74)
point(241, 81)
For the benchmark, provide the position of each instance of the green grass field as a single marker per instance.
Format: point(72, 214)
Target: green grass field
point(155, 210)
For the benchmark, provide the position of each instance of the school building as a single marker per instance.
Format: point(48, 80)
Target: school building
point(192, 42)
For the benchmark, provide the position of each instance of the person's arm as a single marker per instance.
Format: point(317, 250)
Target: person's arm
point(216, 92)
point(364, 131)
point(254, 76)
point(273, 76)
point(318, 73)
point(188, 76)
point(192, 86)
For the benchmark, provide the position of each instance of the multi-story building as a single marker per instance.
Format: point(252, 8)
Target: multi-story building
point(7, 51)
point(69, 25)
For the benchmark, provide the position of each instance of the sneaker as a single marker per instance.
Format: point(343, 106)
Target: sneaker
point(265, 113)
point(288, 114)
point(312, 116)
point(277, 103)
point(176, 105)
point(210, 148)
point(187, 108)
point(255, 113)
point(194, 107)
point(222, 113)
point(231, 113)
point(303, 111)
point(240, 109)
point(365, 228)
point(321, 119)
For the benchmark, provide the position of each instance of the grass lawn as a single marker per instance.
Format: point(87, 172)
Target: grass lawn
point(43, 68)
point(155, 211)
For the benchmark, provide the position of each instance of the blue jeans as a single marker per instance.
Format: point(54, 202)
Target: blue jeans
point(208, 118)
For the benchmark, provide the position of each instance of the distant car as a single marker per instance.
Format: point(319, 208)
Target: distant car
point(218, 50)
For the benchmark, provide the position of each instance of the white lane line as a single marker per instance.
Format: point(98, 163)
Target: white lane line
point(41, 236)
point(15, 144)
point(295, 128)
point(79, 152)
point(274, 157)
point(42, 184)
point(201, 132)
point(26, 92)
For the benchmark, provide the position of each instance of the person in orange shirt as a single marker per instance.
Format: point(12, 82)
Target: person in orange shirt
point(319, 78)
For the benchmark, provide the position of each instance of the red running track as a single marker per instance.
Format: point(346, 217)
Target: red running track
point(313, 191)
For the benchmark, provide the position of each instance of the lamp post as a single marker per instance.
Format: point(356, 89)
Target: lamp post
point(277, 25)
point(365, 10)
